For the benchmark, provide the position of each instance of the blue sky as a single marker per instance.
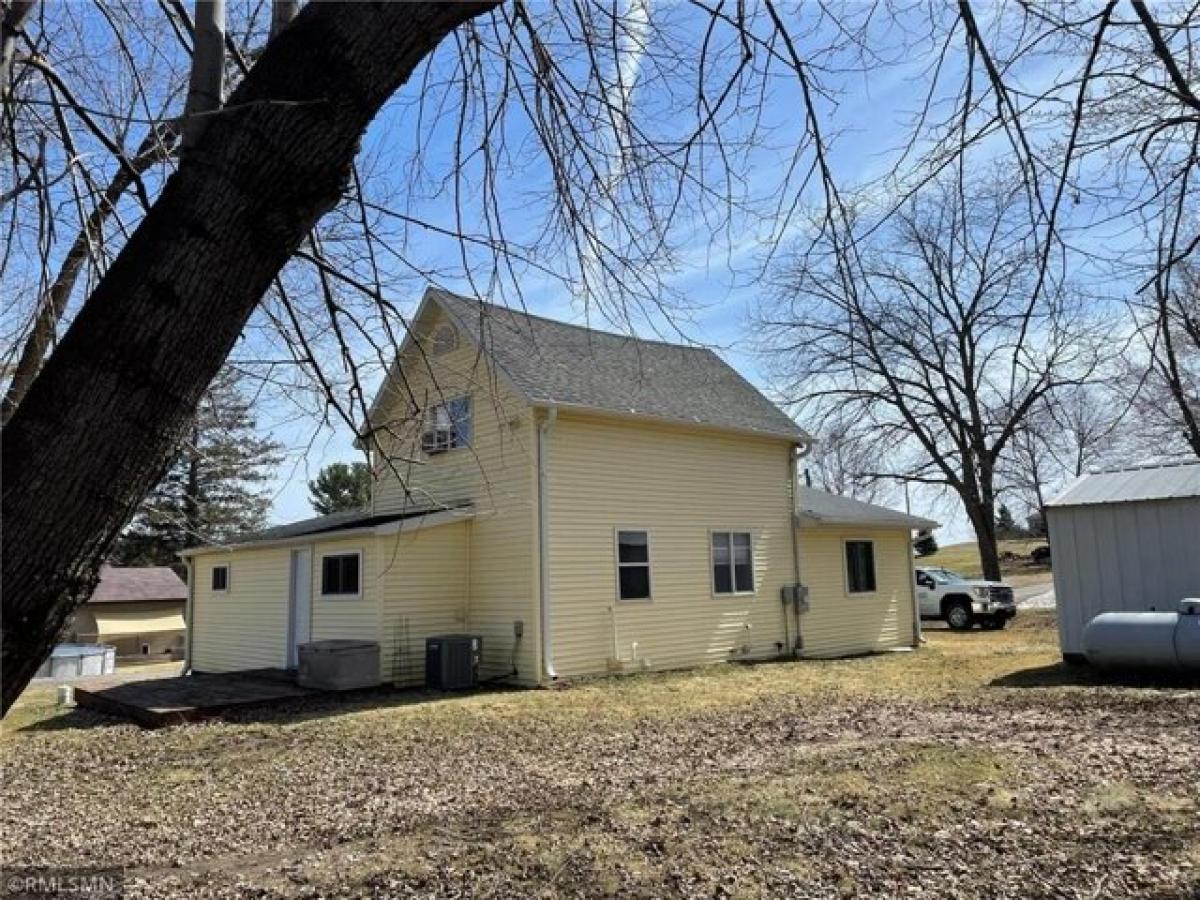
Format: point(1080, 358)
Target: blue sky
point(720, 275)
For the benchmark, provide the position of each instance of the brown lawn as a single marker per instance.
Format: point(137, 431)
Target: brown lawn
point(975, 767)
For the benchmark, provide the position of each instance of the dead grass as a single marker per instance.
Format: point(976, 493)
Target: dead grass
point(976, 766)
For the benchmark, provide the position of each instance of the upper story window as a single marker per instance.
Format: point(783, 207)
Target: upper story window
point(447, 425)
point(340, 574)
point(633, 564)
point(220, 578)
point(860, 567)
point(732, 562)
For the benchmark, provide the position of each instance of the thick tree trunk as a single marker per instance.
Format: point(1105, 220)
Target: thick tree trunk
point(982, 513)
point(95, 431)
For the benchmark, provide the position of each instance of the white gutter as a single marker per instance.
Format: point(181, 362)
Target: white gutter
point(543, 445)
point(189, 618)
point(918, 637)
point(798, 453)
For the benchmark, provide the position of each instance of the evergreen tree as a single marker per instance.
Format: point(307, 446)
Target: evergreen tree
point(340, 487)
point(925, 544)
point(213, 490)
point(1006, 525)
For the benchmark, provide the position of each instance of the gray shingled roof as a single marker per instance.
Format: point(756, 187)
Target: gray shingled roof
point(1157, 482)
point(134, 584)
point(558, 364)
point(834, 509)
point(339, 521)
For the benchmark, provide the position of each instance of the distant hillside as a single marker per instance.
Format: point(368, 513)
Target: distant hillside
point(964, 558)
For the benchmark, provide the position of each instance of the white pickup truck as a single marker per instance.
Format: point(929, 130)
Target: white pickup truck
point(960, 602)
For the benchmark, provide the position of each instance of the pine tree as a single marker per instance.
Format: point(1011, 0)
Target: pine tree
point(340, 487)
point(925, 544)
point(215, 488)
point(1006, 525)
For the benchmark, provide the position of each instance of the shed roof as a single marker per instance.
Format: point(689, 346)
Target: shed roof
point(133, 584)
point(555, 363)
point(1131, 485)
point(355, 520)
point(824, 508)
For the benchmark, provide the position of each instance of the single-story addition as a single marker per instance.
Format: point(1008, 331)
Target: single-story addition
point(137, 609)
point(1124, 540)
point(585, 502)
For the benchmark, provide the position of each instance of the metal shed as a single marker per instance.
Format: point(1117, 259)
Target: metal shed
point(1124, 540)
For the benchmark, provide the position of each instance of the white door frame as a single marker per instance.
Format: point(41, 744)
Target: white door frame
point(299, 603)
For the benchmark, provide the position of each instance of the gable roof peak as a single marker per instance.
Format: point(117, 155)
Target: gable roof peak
point(553, 363)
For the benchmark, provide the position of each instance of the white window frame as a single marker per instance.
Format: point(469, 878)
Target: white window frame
point(846, 566)
point(228, 578)
point(450, 430)
point(618, 565)
point(321, 557)
point(712, 564)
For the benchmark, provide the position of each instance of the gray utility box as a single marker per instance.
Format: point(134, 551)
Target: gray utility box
point(452, 661)
point(338, 665)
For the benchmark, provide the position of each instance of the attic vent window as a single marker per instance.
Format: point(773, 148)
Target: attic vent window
point(445, 339)
point(448, 426)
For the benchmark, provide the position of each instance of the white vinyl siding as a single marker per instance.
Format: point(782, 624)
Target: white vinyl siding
point(839, 623)
point(495, 474)
point(679, 484)
point(245, 626)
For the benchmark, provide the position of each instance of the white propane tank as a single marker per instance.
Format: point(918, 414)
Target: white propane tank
point(1144, 640)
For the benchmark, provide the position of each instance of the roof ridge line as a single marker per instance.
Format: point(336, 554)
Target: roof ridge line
point(586, 328)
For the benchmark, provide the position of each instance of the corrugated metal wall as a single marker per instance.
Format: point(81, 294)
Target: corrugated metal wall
point(1122, 556)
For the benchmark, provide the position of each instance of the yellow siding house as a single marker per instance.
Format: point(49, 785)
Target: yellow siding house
point(585, 502)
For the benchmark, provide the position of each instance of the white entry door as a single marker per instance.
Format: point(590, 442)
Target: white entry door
point(299, 604)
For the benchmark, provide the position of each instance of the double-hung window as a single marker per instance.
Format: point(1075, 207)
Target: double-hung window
point(447, 425)
point(633, 564)
point(341, 575)
point(860, 567)
point(732, 562)
point(220, 578)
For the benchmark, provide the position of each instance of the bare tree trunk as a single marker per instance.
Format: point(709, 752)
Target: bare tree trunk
point(54, 303)
point(10, 26)
point(96, 429)
point(206, 81)
point(282, 12)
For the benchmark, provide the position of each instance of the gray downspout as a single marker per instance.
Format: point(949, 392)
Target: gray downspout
point(544, 542)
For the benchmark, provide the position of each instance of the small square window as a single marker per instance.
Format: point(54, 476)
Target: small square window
point(220, 578)
point(860, 567)
point(732, 562)
point(340, 574)
point(633, 565)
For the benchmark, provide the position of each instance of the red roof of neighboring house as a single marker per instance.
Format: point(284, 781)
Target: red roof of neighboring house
point(138, 583)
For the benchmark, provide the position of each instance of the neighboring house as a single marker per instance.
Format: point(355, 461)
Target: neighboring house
point(138, 610)
point(587, 502)
point(1124, 540)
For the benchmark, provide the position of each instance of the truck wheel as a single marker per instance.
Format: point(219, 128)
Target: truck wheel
point(959, 616)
